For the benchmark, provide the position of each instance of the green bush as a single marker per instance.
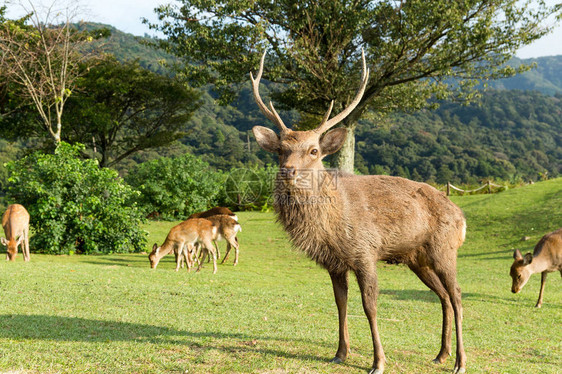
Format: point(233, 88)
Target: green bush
point(250, 188)
point(174, 188)
point(74, 205)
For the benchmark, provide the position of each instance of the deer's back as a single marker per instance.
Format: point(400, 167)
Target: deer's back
point(14, 220)
point(212, 212)
point(191, 230)
point(550, 248)
point(402, 211)
point(381, 217)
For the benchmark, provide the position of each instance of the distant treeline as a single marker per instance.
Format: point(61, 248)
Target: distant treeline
point(510, 135)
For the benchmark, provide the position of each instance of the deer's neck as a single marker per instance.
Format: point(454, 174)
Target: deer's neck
point(540, 263)
point(314, 219)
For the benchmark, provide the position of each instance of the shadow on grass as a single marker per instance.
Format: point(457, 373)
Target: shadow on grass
point(74, 329)
point(141, 261)
point(430, 297)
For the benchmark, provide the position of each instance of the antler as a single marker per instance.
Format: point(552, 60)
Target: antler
point(271, 114)
point(327, 124)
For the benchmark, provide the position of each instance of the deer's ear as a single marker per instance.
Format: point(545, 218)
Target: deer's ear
point(517, 255)
point(528, 259)
point(333, 140)
point(4, 241)
point(266, 138)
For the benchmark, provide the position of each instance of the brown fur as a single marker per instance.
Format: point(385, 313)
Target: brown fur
point(15, 222)
point(212, 212)
point(546, 258)
point(355, 221)
point(228, 227)
point(182, 239)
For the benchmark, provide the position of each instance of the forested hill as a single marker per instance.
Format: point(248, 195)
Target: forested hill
point(546, 77)
point(512, 134)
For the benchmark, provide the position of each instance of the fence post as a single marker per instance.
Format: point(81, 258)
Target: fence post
point(448, 188)
point(489, 186)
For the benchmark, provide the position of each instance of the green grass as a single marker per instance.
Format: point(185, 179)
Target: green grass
point(274, 312)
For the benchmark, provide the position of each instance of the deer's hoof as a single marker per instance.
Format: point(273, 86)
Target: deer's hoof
point(336, 360)
point(376, 371)
point(459, 370)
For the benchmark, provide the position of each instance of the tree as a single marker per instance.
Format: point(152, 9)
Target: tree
point(39, 53)
point(174, 188)
point(413, 48)
point(122, 108)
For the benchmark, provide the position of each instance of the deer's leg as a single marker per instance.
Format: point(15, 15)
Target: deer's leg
point(543, 282)
point(187, 256)
point(367, 279)
point(228, 247)
point(450, 282)
point(340, 285)
point(211, 252)
point(217, 249)
point(25, 245)
point(236, 250)
point(178, 253)
point(176, 256)
point(431, 280)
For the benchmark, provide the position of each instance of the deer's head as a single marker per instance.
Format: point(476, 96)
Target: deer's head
point(302, 150)
point(520, 272)
point(154, 256)
point(12, 247)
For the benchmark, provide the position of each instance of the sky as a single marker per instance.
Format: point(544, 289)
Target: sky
point(126, 16)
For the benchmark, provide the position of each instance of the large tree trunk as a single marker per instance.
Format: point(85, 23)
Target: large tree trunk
point(345, 158)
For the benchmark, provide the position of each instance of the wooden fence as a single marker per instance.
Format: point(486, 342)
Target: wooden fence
point(489, 185)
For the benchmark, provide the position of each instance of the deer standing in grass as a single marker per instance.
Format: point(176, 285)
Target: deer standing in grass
point(348, 222)
point(546, 258)
point(219, 210)
point(15, 222)
point(228, 227)
point(182, 239)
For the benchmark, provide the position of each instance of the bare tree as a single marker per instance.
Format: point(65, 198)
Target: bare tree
point(40, 53)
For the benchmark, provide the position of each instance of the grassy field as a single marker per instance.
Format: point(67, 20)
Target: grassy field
point(274, 312)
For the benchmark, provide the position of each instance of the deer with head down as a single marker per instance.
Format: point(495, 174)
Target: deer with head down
point(348, 222)
point(15, 222)
point(182, 239)
point(546, 258)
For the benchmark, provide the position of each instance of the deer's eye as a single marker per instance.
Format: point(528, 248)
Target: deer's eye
point(314, 152)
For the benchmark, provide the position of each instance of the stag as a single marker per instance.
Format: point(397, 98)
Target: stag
point(347, 222)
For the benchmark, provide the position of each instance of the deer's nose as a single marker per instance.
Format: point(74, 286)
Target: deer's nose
point(289, 171)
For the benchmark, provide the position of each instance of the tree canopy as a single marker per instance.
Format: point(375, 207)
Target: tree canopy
point(414, 48)
point(122, 108)
point(39, 57)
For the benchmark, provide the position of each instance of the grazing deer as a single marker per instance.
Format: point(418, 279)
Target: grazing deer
point(348, 222)
point(228, 227)
point(546, 258)
point(182, 238)
point(15, 222)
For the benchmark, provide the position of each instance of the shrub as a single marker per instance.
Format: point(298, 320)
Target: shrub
point(174, 188)
point(75, 205)
point(250, 188)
